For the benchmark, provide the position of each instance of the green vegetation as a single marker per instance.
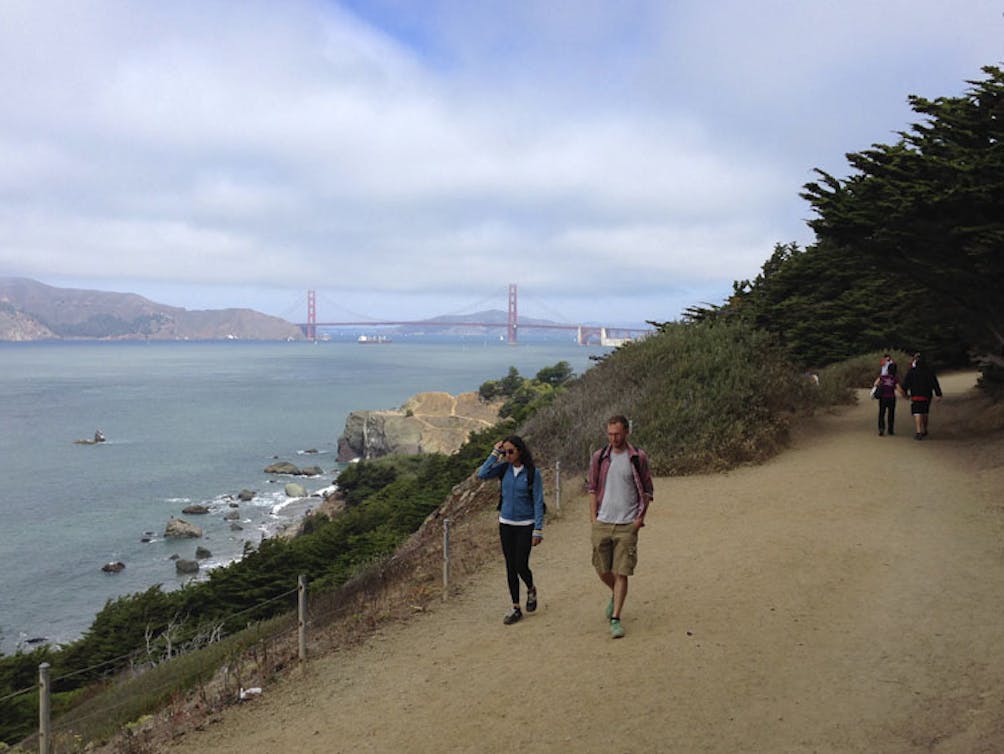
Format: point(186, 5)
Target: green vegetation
point(700, 396)
point(526, 396)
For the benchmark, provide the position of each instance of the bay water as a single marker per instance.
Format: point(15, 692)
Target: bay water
point(186, 423)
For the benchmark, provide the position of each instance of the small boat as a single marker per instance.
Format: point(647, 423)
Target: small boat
point(99, 437)
point(367, 339)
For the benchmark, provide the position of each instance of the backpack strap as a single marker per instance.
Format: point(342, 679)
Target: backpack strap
point(636, 460)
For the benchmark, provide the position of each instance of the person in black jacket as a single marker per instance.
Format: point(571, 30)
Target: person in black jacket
point(921, 385)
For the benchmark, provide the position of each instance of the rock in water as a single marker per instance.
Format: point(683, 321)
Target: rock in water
point(179, 527)
point(295, 490)
point(195, 510)
point(283, 467)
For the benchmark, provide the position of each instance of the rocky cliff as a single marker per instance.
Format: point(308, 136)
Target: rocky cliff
point(427, 423)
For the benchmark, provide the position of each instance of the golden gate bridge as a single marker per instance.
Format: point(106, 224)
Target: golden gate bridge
point(584, 334)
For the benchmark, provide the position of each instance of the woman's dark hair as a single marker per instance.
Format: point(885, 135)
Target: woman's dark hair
point(524, 452)
point(891, 369)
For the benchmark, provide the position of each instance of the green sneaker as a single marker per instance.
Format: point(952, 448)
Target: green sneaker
point(616, 629)
point(610, 609)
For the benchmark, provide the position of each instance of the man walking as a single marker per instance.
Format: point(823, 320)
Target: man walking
point(921, 384)
point(620, 490)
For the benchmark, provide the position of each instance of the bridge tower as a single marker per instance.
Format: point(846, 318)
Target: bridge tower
point(512, 322)
point(311, 331)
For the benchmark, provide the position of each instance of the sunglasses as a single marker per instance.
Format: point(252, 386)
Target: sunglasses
point(509, 451)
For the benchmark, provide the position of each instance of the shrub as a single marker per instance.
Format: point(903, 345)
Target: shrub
point(838, 381)
point(700, 396)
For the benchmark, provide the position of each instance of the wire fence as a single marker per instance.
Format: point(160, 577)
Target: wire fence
point(226, 667)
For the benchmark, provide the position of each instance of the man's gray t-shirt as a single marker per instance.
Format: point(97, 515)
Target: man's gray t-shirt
point(620, 495)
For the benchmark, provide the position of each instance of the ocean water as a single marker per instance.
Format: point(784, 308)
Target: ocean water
point(186, 423)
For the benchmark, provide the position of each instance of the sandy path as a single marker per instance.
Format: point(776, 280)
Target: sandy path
point(846, 597)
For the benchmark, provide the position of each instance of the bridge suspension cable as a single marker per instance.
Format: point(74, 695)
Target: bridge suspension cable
point(474, 306)
point(550, 311)
point(326, 300)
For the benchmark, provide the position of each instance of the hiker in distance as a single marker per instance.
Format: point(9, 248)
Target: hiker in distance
point(921, 384)
point(620, 491)
point(521, 515)
point(886, 385)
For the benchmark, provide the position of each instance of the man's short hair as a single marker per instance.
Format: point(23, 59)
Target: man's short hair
point(619, 419)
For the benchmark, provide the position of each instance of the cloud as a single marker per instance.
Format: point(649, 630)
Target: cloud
point(405, 153)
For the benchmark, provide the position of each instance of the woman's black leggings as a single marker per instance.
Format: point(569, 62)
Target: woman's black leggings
point(516, 544)
point(887, 407)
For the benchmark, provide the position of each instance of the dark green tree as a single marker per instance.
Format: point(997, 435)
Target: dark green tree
point(511, 382)
point(555, 375)
point(826, 310)
point(504, 388)
point(930, 208)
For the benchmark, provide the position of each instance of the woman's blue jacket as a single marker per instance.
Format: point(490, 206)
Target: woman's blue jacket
point(516, 502)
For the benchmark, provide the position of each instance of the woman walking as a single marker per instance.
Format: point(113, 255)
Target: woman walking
point(521, 515)
point(886, 384)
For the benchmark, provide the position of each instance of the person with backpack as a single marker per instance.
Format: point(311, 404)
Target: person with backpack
point(620, 491)
point(521, 515)
point(885, 386)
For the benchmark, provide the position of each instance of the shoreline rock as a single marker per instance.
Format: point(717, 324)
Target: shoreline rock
point(180, 528)
point(429, 422)
point(285, 467)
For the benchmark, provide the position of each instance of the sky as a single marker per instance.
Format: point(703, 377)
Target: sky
point(618, 160)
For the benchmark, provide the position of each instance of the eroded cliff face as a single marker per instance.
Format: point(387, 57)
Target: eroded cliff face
point(427, 423)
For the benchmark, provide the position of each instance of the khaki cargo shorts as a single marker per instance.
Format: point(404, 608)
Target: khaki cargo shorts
point(615, 548)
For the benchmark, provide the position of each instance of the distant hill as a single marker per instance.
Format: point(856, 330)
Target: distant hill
point(489, 323)
point(30, 310)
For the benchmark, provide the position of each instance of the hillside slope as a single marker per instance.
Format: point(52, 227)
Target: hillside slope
point(30, 310)
point(845, 596)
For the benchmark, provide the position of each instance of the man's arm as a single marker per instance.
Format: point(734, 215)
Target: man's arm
point(592, 486)
point(647, 487)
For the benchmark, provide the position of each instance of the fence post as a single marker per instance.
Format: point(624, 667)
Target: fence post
point(557, 486)
point(44, 716)
point(446, 558)
point(301, 609)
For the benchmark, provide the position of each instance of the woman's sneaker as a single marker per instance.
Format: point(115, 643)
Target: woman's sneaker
point(531, 600)
point(513, 617)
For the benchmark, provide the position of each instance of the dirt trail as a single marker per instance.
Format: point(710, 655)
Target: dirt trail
point(845, 597)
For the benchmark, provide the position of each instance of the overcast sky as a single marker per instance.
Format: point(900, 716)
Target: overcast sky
point(618, 159)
